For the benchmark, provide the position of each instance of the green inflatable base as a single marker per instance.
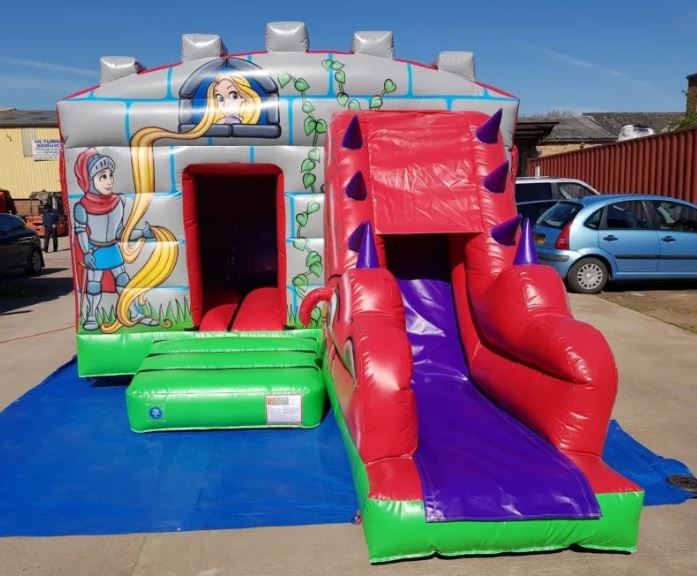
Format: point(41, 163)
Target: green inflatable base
point(221, 382)
point(397, 530)
point(121, 354)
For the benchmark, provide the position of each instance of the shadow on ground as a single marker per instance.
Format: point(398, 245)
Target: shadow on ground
point(18, 290)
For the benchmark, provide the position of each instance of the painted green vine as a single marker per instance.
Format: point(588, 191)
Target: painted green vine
point(344, 99)
point(313, 259)
point(314, 126)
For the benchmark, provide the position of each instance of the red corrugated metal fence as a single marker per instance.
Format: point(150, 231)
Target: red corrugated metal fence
point(664, 164)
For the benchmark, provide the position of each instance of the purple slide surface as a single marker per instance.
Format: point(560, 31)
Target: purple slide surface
point(477, 462)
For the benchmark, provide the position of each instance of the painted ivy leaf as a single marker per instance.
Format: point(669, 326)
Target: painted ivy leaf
point(340, 76)
point(375, 102)
point(354, 105)
point(342, 98)
point(300, 281)
point(301, 219)
point(313, 154)
point(389, 86)
point(310, 124)
point(313, 206)
point(336, 65)
point(308, 180)
point(308, 107)
point(316, 269)
point(307, 165)
point(301, 85)
point(316, 314)
point(326, 64)
point(321, 127)
point(313, 258)
point(283, 79)
point(300, 243)
point(321, 188)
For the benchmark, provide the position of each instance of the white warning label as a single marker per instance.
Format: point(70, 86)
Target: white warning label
point(284, 409)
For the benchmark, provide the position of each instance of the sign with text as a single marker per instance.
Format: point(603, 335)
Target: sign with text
point(45, 149)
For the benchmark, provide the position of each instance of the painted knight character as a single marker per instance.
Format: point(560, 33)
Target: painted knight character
point(99, 223)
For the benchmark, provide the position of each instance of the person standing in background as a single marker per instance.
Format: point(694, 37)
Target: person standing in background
point(50, 221)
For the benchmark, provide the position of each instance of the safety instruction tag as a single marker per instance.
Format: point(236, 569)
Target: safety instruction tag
point(284, 409)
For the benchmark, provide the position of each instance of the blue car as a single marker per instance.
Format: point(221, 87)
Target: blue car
point(595, 239)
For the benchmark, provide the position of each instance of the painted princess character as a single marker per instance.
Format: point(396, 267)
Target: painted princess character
point(99, 227)
point(235, 100)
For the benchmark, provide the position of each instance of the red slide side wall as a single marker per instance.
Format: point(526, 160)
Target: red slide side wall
point(524, 349)
point(193, 249)
point(368, 335)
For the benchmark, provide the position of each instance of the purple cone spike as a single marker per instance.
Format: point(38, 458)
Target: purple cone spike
point(526, 253)
point(368, 252)
point(356, 188)
point(497, 178)
point(353, 139)
point(488, 133)
point(354, 240)
point(504, 233)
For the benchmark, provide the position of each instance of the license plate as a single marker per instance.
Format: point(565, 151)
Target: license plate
point(540, 239)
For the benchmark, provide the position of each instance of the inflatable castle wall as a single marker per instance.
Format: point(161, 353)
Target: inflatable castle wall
point(214, 158)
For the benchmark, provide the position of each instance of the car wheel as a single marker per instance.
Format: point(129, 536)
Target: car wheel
point(36, 263)
point(587, 276)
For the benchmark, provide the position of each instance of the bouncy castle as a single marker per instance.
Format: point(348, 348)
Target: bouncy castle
point(255, 234)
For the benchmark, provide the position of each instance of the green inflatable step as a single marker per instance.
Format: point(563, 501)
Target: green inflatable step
point(221, 360)
point(228, 344)
point(241, 382)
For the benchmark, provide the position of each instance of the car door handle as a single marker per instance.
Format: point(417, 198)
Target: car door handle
point(610, 238)
point(668, 239)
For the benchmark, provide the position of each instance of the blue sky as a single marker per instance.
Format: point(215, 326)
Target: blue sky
point(590, 55)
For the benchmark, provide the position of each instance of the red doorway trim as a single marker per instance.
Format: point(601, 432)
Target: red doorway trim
point(191, 232)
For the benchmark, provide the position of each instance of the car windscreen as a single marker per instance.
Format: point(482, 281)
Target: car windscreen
point(531, 191)
point(560, 214)
point(573, 190)
point(533, 210)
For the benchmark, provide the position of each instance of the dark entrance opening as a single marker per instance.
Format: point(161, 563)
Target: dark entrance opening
point(418, 256)
point(232, 217)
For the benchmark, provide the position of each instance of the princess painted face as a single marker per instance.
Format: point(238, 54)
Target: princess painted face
point(230, 101)
point(103, 182)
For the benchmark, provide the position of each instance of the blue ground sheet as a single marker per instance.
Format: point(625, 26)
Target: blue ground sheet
point(648, 470)
point(69, 464)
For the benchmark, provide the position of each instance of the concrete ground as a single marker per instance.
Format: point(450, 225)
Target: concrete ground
point(672, 302)
point(657, 404)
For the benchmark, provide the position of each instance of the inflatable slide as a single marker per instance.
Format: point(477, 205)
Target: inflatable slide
point(473, 405)
point(256, 233)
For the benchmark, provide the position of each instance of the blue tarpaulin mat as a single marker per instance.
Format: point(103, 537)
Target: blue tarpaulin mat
point(648, 470)
point(69, 464)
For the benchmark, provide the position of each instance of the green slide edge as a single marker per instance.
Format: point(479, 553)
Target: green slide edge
point(397, 530)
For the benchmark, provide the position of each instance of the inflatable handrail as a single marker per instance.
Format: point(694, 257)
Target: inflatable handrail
point(565, 381)
point(369, 337)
